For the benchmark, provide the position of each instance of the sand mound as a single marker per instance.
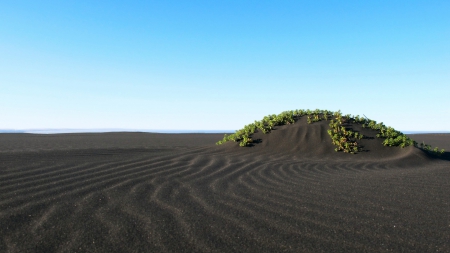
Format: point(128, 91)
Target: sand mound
point(311, 141)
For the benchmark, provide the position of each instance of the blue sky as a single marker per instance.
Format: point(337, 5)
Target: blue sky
point(221, 64)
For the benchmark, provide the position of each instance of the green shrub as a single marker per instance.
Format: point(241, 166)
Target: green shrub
point(344, 139)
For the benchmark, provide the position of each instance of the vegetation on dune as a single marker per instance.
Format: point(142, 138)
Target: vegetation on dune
point(345, 139)
point(243, 136)
point(342, 137)
point(427, 148)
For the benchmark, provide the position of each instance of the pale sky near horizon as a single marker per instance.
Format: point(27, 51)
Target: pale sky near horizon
point(221, 64)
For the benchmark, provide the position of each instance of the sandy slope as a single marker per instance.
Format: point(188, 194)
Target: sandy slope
point(136, 192)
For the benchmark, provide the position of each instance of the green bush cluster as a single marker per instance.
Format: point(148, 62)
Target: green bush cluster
point(313, 118)
point(243, 136)
point(428, 149)
point(392, 136)
point(345, 139)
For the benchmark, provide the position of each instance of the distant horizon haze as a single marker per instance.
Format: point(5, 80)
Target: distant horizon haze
point(174, 131)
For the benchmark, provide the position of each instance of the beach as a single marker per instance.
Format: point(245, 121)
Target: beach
point(149, 192)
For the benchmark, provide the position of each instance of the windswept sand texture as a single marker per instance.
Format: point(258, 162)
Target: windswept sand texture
point(139, 192)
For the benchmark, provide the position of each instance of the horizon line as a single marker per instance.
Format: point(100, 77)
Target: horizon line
point(112, 130)
point(108, 130)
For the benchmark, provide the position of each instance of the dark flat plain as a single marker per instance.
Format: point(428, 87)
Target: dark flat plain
point(141, 192)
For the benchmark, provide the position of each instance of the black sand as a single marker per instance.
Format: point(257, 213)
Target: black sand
point(140, 192)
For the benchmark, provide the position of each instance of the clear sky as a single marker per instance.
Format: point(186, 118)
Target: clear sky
point(221, 64)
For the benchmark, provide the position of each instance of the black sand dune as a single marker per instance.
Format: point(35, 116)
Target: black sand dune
point(138, 192)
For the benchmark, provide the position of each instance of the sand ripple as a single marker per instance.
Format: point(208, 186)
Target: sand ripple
point(213, 200)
